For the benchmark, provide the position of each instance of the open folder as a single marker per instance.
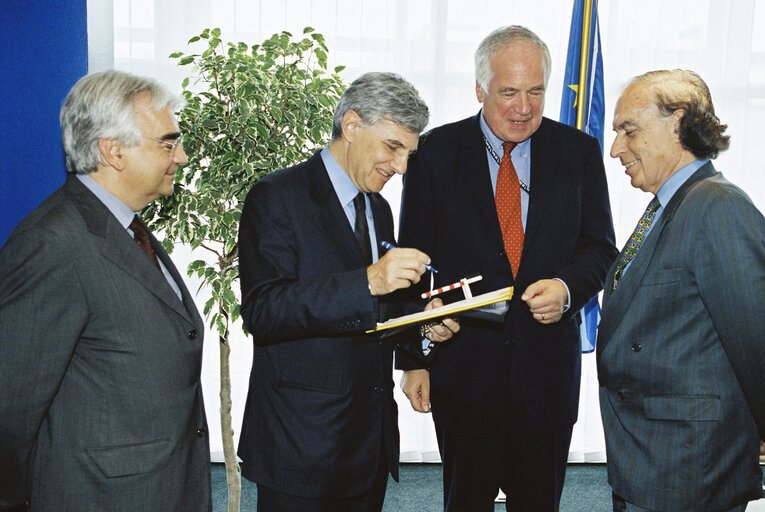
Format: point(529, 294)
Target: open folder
point(488, 306)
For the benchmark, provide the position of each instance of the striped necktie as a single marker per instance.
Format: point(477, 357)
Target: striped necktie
point(636, 240)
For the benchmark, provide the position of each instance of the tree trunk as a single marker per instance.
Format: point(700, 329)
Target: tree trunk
point(233, 473)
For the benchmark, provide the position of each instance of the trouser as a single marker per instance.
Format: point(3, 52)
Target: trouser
point(528, 466)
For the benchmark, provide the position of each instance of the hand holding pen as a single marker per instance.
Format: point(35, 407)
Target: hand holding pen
point(396, 269)
point(389, 246)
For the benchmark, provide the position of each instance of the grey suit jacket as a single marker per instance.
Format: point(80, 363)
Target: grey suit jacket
point(100, 403)
point(681, 355)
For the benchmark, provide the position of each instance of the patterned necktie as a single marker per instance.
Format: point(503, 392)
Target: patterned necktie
point(508, 200)
point(361, 228)
point(636, 240)
point(141, 236)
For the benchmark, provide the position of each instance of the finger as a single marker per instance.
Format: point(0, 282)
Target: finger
point(452, 324)
point(425, 396)
point(433, 304)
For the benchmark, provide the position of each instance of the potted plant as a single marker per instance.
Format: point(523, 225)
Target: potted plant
point(250, 110)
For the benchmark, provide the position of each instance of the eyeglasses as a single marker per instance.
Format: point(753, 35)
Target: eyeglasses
point(171, 146)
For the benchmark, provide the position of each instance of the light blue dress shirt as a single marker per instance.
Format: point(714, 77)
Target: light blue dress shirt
point(346, 191)
point(124, 216)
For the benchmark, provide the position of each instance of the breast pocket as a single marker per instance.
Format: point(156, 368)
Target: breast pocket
point(664, 277)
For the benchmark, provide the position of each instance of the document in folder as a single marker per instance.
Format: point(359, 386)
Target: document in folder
point(489, 306)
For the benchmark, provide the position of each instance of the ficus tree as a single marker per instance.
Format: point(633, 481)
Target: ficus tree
point(250, 110)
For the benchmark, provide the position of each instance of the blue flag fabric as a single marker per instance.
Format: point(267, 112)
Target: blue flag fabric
point(594, 113)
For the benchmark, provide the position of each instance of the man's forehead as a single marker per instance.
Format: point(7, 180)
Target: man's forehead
point(633, 104)
point(397, 134)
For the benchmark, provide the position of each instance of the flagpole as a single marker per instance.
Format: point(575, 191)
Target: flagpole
point(584, 54)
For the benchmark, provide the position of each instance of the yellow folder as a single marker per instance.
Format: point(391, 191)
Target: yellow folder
point(486, 303)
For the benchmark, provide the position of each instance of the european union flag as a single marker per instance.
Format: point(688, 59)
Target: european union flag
point(583, 106)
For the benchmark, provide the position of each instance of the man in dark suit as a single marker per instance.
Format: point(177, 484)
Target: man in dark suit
point(504, 396)
point(681, 346)
point(319, 430)
point(100, 342)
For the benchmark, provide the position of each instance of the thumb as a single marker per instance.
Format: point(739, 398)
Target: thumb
point(532, 290)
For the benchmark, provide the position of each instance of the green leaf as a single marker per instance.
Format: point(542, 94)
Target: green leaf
point(254, 109)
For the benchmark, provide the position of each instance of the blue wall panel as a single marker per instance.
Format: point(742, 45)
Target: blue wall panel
point(43, 52)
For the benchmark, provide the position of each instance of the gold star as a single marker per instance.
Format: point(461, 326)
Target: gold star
point(575, 88)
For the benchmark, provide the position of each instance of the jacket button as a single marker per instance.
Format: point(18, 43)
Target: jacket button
point(637, 347)
point(620, 396)
point(379, 389)
point(201, 432)
point(508, 340)
point(192, 334)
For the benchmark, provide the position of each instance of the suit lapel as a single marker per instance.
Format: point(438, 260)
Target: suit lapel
point(383, 221)
point(473, 167)
point(121, 250)
point(331, 219)
point(541, 181)
point(616, 303)
point(188, 301)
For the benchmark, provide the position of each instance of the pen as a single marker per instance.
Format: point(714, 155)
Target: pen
point(389, 246)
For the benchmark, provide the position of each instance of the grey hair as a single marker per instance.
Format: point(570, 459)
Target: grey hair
point(101, 106)
point(375, 96)
point(500, 39)
point(700, 130)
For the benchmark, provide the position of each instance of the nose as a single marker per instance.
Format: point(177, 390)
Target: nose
point(399, 162)
point(617, 148)
point(522, 104)
point(179, 156)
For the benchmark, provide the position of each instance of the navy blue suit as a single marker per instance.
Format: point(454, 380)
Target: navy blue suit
point(490, 375)
point(320, 411)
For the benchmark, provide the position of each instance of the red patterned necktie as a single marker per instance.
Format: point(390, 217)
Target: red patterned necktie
point(141, 236)
point(508, 200)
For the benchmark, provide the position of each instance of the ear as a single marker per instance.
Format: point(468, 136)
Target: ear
point(478, 92)
point(677, 116)
point(351, 124)
point(111, 153)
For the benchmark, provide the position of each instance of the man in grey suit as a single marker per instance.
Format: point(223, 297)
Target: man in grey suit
point(100, 342)
point(681, 345)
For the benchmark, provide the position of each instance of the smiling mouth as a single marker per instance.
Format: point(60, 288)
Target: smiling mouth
point(387, 175)
point(629, 164)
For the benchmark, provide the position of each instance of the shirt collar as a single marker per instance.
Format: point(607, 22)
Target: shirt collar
point(117, 208)
point(496, 142)
point(674, 182)
point(341, 182)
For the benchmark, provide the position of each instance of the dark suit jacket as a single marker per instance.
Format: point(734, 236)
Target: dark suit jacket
point(448, 211)
point(320, 405)
point(100, 403)
point(680, 355)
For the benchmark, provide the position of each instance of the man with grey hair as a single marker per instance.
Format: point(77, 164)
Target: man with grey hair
point(319, 430)
point(100, 341)
point(681, 347)
point(522, 201)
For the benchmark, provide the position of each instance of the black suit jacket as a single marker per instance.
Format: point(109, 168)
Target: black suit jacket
point(448, 211)
point(100, 402)
point(320, 405)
